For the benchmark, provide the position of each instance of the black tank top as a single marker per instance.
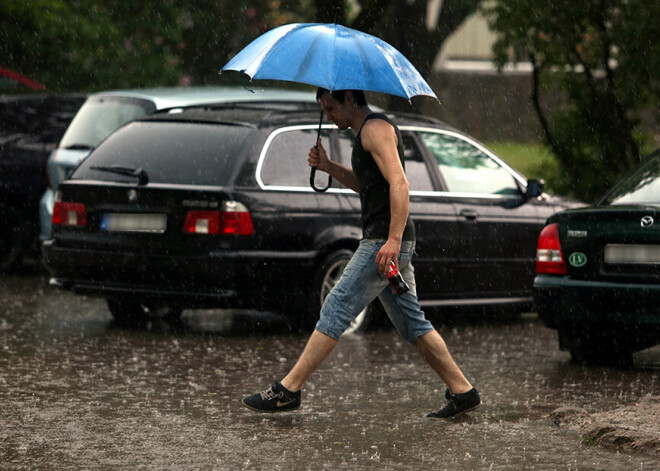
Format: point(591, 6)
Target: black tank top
point(374, 189)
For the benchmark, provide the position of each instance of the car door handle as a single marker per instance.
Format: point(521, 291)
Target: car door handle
point(469, 214)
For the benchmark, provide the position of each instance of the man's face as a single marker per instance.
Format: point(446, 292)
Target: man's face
point(338, 113)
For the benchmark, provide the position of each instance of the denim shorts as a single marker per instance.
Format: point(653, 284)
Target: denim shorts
point(361, 283)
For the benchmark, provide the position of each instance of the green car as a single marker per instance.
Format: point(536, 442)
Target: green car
point(598, 271)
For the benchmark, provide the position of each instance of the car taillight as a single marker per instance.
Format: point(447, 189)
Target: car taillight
point(234, 218)
point(68, 214)
point(202, 222)
point(549, 258)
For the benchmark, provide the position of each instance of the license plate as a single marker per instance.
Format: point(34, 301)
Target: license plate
point(154, 223)
point(638, 254)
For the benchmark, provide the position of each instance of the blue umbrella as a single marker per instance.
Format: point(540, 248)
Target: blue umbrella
point(330, 56)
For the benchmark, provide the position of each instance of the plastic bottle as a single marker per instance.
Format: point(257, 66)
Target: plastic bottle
point(396, 280)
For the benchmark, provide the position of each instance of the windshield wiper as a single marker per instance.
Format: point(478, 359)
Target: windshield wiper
point(138, 173)
point(79, 147)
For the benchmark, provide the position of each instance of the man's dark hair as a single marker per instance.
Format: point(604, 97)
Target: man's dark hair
point(340, 95)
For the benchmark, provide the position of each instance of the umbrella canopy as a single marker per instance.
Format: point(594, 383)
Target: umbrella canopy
point(330, 56)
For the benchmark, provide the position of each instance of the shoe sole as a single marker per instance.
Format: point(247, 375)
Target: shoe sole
point(456, 415)
point(269, 411)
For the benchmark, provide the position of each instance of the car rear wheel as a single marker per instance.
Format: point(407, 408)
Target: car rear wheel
point(602, 355)
point(596, 348)
point(327, 277)
point(134, 312)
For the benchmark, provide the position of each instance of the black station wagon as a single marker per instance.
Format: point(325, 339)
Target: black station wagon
point(213, 208)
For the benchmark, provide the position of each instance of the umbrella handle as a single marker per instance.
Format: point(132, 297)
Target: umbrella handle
point(312, 174)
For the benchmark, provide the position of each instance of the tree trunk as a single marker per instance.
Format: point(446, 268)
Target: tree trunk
point(536, 101)
point(331, 11)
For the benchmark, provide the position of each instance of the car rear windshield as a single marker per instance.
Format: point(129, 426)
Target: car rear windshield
point(169, 152)
point(99, 117)
point(641, 187)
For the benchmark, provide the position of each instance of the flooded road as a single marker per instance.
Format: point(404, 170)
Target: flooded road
point(80, 392)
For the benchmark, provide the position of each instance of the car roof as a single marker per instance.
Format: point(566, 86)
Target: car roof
point(269, 115)
point(172, 97)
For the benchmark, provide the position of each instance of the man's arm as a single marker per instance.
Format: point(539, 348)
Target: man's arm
point(379, 138)
point(318, 158)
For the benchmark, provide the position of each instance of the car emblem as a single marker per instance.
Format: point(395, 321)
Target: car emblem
point(576, 233)
point(577, 259)
point(132, 196)
point(647, 221)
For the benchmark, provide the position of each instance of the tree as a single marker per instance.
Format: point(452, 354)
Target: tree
point(214, 31)
point(331, 11)
point(85, 45)
point(414, 27)
point(417, 28)
point(90, 45)
point(603, 57)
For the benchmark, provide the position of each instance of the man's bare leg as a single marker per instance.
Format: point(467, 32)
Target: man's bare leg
point(318, 347)
point(434, 350)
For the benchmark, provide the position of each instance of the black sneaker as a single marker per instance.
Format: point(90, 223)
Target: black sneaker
point(277, 398)
point(457, 404)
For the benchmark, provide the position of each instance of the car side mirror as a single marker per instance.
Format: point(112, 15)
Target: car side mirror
point(534, 188)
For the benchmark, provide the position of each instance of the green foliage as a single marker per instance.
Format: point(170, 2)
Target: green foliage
point(72, 45)
point(213, 32)
point(602, 57)
point(532, 160)
point(590, 441)
point(90, 45)
point(85, 45)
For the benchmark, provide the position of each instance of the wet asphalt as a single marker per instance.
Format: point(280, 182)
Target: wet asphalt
point(78, 391)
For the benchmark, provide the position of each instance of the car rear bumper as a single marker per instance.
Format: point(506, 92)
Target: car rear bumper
point(562, 302)
point(146, 293)
point(217, 279)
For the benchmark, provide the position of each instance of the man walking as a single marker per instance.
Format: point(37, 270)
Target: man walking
point(378, 175)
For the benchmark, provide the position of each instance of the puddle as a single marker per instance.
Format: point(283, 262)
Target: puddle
point(79, 391)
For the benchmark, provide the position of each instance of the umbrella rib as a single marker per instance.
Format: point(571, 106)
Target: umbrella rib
point(277, 43)
point(369, 69)
point(332, 59)
point(304, 66)
point(408, 71)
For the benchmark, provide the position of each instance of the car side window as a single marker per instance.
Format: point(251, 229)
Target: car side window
point(416, 169)
point(467, 169)
point(346, 142)
point(285, 163)
point(100, 117)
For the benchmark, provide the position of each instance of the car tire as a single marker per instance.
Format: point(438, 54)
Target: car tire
point(136, 313)
point(596, 349)
point(15, 236)
point(327, 276)
point(600, 357)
